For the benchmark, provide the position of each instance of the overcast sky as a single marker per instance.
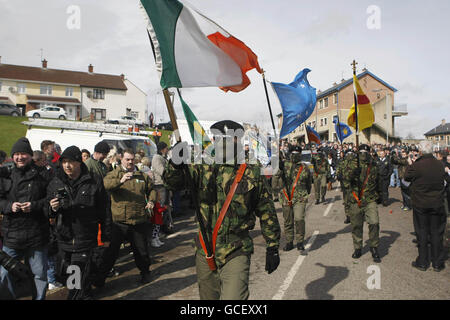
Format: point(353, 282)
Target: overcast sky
point(410, 51)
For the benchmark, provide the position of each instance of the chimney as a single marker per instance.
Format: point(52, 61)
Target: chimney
point(122, 76)
point(91, 68)
point(443, 122)
point(342, 80)
point(0, 59)
point(334, 84)
point(44, 64)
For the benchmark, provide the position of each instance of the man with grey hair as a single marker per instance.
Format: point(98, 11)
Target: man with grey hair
point(427, 176)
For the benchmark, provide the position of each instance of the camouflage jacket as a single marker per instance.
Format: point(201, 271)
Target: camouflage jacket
point(343, 167)
point(355, 182)
point(303, 187)
point(252, 198)
point(402, 165)
point(321, 166)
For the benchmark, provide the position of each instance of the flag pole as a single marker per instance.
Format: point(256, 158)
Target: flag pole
point(268, 104)
point(173, 120)
point(354, 63)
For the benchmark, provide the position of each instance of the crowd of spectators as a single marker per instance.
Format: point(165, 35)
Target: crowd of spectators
point(77, 207)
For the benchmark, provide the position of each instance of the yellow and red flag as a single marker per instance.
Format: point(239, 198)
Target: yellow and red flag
point(366, 116)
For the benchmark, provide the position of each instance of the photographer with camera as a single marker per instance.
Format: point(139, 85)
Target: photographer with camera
point(25, 226)
point(132, 199)
point(78, 203)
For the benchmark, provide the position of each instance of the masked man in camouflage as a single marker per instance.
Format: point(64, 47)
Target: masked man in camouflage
point(346, 194)
point(295, 187)
point(363, 181)
point(321, 175)
point(252, 198)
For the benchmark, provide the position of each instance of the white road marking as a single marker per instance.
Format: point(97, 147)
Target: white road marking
point(287, 282)
point(328, 209)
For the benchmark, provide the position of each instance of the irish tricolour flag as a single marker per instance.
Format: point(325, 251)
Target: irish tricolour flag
point(191, 50)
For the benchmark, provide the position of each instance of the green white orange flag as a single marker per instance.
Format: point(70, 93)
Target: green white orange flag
point(366, 116)
point(191, 50)
point(198, 134)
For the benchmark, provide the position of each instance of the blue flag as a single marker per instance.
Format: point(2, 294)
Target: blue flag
point(342, 130)
point(297, 99)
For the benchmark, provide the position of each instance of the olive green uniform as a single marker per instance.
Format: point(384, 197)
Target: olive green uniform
point(368, 210)
point(346, 194)
point(294, 214)
point(253, 198)
point(320, 175)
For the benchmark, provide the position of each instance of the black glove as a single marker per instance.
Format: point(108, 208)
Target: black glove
point(272, 259)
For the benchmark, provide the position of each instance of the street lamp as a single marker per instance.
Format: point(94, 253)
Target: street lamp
point(387, 120)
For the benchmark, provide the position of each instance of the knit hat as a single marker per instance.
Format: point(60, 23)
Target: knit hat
point(102, 147)
point(72, 153)
point(22, 145)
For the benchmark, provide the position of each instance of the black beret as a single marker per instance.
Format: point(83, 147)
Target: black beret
point(224, 125)
point(293, 148)
point(364, 147)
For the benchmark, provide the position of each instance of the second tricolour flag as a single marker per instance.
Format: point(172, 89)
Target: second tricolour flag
point(191, 50)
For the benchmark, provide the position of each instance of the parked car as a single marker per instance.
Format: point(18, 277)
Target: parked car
point(126, 120)
point(48, 112)
point(165, 126)
point(9, 110)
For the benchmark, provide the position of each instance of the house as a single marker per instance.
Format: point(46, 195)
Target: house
point(440, 135)
point(81, 94)
point(336, 102)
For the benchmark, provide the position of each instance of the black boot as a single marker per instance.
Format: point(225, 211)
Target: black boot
point(317, 201)
point(323, 199)
point(145, 277)
point(289, 246)
point(356, 254)
point(300, 246)
point(375, 255)
point(347, 220)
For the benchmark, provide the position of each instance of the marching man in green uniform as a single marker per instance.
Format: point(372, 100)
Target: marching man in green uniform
point(321, 174)
point(346, 194)
point(364, 193)
point(293, 196)
point(230, 195)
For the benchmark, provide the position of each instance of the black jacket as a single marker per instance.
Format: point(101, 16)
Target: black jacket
point(24, 230)
point(87, 206)
point(427, 177)
point(385, 168)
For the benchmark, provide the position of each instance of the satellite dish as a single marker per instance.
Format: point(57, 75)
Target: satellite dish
point(12, 89)
point(89, 94)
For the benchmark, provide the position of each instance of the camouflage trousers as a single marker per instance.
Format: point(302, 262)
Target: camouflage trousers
point(368, 213)
point(346, 197)
point(294, 217)
point(230, 282)
point(320, 186)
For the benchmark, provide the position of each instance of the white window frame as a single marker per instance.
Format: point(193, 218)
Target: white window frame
point(321, 104)
point(335, 98)
point(96, 95)
point(321, 122)
point(21, 88)
point(325, 104)
point(325, 122)
point(48, 90)
point(69, 92)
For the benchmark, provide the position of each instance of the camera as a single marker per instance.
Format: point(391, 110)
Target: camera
point(63, 197)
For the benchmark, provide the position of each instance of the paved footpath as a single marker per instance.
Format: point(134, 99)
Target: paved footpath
point(326, 271)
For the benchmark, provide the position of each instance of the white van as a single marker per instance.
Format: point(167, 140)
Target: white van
point(88, 140)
